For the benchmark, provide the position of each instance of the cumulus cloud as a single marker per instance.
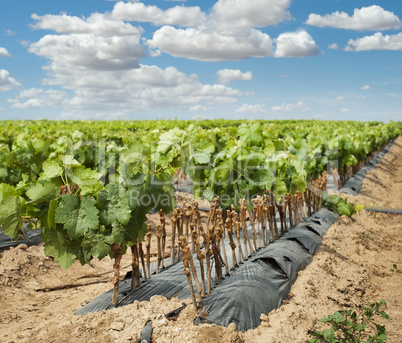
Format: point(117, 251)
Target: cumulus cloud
point(225, 76)
point(209, 45)
point(97, 23)
point(366, 87)
point(373, 18)
point(4, 52)
point(7, 82)
point(376, 42)
point(345, 110)
point(97, 60)
point(340, 98)
point(38, 98)
point(333, 46)
point(227, 32)
point(257, 108)
point(178, 15)
point(88, 51)
point(291, 107)
point(199, 108)
point(227, 14)
point(10, 33)
point(295, 44)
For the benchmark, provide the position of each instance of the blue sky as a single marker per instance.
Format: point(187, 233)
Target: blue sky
point(268, 59)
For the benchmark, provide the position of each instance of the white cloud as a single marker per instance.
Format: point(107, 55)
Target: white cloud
point(178, 15)
point(225, 76)
point(96, 23)
point(38, 98)
point(291, 107)
point(333, 46)
point(257, 108)
point(209, 45)
point(285, 75)
point(340, 98)
point(376, 42)
point(9, 33)
point(345, 110)
point(366, 87)
point(295, 44)
point(90, 51)
point(227, 32)
point(373, 18)
point(199, 108)
point(7, 82)
point(227, 14)
point(360, 97)
point(318, 116)
point(4, 52)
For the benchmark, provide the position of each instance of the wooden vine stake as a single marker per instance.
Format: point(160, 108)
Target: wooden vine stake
point(173, 239)
point(187, 271)
point(159, 246)
point(163, 224)
point(220, 232)
point(231, 242)
point(116, 248)
point(148, 247)
point(200, 257)
point(141, 253)
point(135, 274)
point(208, 253)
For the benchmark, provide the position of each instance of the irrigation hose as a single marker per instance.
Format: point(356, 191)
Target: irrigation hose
point(394, 211)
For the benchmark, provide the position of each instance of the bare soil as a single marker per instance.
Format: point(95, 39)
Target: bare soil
point(353, 266)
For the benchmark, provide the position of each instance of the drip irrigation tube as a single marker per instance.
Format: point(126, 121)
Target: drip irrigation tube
point(394, 211)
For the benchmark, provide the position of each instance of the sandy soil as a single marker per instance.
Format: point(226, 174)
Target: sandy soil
point(352, 267)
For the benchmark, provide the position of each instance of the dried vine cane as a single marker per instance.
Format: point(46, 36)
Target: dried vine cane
point(159, 246)
point(252, 221)
point(173, 240)
point(208, 253)
point(187, 215)
point(232, 244)
point(179, 224)
point(273, 201)
point(257, 222)
point(141, 253)
point(237, 231)
point(280, 210)
point(217, 255)
point(261, 214)
point(200, 257)
point(308, 201)
point(243, 216)
point(192, 266)
point(212, 209)
point(163, 224)
point(197, 216)
point(289, 206)
point(187, 272)
point(220, 233)
point(148, 247)
point(116, 248)
point(135, 274)
point(268, 212)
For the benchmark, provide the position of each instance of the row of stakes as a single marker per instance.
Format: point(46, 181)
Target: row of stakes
point(186, 224)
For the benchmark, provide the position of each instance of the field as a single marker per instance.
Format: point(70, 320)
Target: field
point(43, 179)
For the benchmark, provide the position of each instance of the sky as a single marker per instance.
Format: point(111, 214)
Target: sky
point(187, 59)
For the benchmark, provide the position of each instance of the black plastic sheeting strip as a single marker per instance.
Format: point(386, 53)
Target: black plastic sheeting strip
point(384, 210)
point(354, 184)
point(31, 237)
point(257, 286)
